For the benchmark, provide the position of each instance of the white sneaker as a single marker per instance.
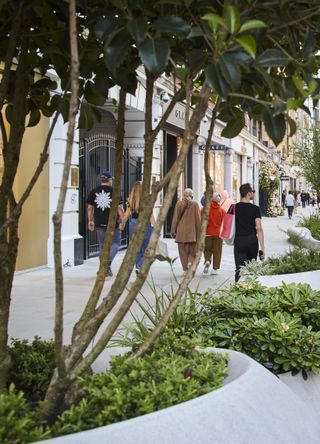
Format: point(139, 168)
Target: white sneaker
point(206, 267)
point(215, 271)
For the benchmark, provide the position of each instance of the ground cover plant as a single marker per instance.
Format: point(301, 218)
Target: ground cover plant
point(278, 327)
point(296, 260)
point(311, 222)
point(173, 372)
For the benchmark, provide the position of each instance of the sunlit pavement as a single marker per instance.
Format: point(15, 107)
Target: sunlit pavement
point(32, 308)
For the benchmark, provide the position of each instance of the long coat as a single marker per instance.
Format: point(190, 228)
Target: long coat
point(187, 228)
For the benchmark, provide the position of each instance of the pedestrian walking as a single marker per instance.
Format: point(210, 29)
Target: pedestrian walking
point(186, 227)
point(132, 212)
point(290, 203)
point(304, 198)
point(249, 233)
point(213, 243)
point(98, 209)
point(283, 199)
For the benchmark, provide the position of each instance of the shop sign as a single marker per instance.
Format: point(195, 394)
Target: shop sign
point(214, 147)
point(284, 178)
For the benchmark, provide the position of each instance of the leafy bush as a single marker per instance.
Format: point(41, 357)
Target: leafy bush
point(32, 366)
point(296, 260)
point(17, 420)
point(311, 222)
point(278, 327)
point(157, 380)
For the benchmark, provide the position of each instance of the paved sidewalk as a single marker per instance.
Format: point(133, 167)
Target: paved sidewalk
point(32, 308)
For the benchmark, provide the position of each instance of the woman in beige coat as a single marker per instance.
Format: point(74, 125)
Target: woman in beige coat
point(186, 227)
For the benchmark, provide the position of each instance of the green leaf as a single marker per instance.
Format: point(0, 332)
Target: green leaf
point(92, 95)
point(105, 26)
point(232, 18)
point(196, 58)
point(292, 125)
point(126, 79)
point(86, 118)
point(9, 112)
point(230, 70)
point(34, 118)
point(309, 45)
point(272, 58)
point(173, 25)
point(138, 29)
point(154, 54)
point(248, 43)
point(216, 80)
point(233, 127)
point(120, 4)
point(275, 125)
point(116, 51)
point(252, 24)
point(214, 21)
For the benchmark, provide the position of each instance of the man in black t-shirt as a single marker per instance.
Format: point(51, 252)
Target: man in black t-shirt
point(249, 232)
point(98, 209)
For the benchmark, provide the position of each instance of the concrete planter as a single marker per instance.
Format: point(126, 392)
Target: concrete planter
point(252, 407)
point(305, 237)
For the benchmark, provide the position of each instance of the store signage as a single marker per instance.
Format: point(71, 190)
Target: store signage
point(215, 147)
point(284, 178)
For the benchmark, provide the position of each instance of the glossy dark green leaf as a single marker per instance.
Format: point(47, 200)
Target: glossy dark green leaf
point(275, 125)
point(196, 59)
point(105, 26)
point(120, 4)
point(214, 21)
point(216, 80)
point(309, 45)
point(92, 95)
point(138, 29)
point(87, 117)
point(230, 70)
point(116, 51)
point(272, 58)
point(173, 25)
point(252, 24)
point(9, 111)
point(34, 118)
point(154, 54)
point(233, 127)
point(126, 79)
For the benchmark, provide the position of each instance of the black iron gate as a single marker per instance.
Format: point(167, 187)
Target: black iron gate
point(97, 153)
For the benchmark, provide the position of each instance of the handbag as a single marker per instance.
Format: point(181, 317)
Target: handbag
point(228, 227)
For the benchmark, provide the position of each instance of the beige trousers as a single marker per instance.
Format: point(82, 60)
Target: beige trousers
point(213, 249)
point(187, 253)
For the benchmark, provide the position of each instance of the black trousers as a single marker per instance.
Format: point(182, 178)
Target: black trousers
point(245, 249)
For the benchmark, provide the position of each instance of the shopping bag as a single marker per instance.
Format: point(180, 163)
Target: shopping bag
point(161, 250)
point(228, 227)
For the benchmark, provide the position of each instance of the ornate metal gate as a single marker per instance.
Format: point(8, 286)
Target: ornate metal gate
point(97, 153)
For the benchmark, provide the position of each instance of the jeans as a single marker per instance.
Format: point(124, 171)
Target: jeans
point(245, 249)
point(132, 228)
point(290, 211)
point(116, 241)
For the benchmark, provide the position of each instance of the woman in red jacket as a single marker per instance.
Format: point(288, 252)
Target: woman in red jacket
point(213, 243)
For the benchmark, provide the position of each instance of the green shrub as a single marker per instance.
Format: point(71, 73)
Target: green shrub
point(311, 222)
point(296, 260)
point(278, 327)
point(155, 381)
point(17, 420)
point(32, 366)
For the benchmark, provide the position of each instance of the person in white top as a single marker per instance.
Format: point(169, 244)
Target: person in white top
point(290, 204)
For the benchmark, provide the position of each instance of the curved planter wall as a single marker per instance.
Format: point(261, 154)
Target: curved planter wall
point(305, 237)
point(253, 407)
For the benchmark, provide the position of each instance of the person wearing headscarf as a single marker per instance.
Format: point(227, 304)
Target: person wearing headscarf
point(185, 227)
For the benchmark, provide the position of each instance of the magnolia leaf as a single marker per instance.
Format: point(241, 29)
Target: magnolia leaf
point(92, 95)
point(215, 79)
point(252, 24)
point(248, 43)
point(272, 58)
point(292, 125)
point(87, 117)
point(34, 118)
point(275, 125)
point(214, 21)
point(154, 54)
point(232, 18)
point(230, 70)
point(233, 127)
point(138, 29)
point(105, 26)
point(173, 25)
point(116, 51)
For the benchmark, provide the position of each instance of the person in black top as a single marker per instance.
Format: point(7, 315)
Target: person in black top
point(249, 232)
point(98, 209)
